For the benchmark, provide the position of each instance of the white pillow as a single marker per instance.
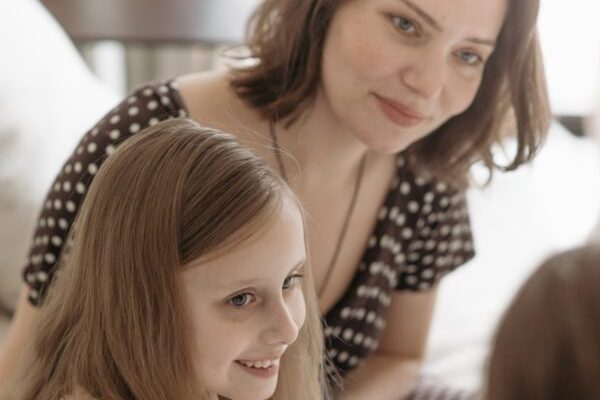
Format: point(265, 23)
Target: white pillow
point(48, 98)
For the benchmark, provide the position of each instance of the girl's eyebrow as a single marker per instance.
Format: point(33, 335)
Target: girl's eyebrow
point(252, 281)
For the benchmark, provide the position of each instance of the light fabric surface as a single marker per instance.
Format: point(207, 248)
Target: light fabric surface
point(48, 97)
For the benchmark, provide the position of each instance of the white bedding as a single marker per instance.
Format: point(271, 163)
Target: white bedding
point(517, 221)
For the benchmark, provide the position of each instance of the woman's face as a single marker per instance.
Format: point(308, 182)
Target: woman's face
point(395, 70)
point(247, 307)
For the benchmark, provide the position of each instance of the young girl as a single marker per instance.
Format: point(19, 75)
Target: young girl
point(382, 105)
point(183, 280)
point(547, 345)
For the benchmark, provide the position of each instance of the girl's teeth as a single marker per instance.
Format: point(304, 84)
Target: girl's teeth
point(260, 364)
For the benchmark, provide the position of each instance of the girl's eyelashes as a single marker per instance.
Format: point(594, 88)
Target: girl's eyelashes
point(241, 300)
point(292, 281)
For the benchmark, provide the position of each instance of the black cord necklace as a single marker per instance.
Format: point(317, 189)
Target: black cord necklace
point(346, 223)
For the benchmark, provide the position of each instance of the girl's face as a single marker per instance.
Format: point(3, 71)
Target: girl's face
point(247, 307)
point(395, 70)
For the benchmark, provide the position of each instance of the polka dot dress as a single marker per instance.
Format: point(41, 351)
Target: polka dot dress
point(422, 233)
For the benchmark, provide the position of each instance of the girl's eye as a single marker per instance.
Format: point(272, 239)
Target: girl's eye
point(291, 281)
point(241, 300)
point(470, 58)
point(404, 25)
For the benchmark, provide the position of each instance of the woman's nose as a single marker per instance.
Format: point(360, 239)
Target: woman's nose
point(426, 76)
point(281, 327)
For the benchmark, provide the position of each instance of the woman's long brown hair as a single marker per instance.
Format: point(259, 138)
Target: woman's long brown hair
point(115, 325)
point(547, 345)
point(287, 38)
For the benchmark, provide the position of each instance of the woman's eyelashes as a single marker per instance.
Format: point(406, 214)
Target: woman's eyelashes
point(405, 25)
point(244, 299)
point(470, 58)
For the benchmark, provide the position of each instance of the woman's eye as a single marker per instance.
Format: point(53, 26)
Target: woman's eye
point(470, 58)
point(241, 300)
point(291, 281)
point(404, 25)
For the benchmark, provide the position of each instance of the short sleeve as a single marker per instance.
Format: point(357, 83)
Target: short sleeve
point(436, 236)
point(145, 106)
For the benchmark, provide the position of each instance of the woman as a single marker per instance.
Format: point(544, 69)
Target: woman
point(373, 111)
point(173, 287)
point(547, 344)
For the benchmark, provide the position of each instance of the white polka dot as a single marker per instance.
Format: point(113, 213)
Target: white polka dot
point(445, 230)
point(411, 269)
point(79, 150)
point(115, 119)
point(360, 313)
point(71, 206)
point(133, 111)
point(147, 92)
point(91, 147)
point(135, 127)
point(393, 212)
point(63, 224)
point(33, 294)
point(407, 233)
point(401, 219)
point(353, 361)
point(424, 285)
point(57, 241)
point(413, 206)
point(367, 342)
point(399, 259)
point(441, 187)
point(347, 335)
point(50, 222)
point(77, 167)
point(92, 168)
point(163, 89)
point(42, 223)
point(42, 276)
point(153, 121)
point(371, 316)
point(411, 280)
point(427, 273)
point(345, 313)
point(94, 132)
point(109, 149)
point(30, 277)
point(382, 213)
point(182, 113)
point(405, 188)
point(50, 258)
point(152, 104)
point(165, 100)
point(68, 168)
point(372, 241)
point(430, 244)
point(428, 259)
point(48, 204)
point(57, 187)
point(45, 239)
point(420, 181)
point(332, 353)
point(343, 356)
point(80, 188)
point(426, 208)
point(428, 197)
point(358, 338)
point(67, 186)
point(444, 201)
point(114, 134)
point(131, 100)
point(361, 291)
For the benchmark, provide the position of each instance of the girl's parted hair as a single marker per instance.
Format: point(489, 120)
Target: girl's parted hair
point(115, 323)
point(287, 38)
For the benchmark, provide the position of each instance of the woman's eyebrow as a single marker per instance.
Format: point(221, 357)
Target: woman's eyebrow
point(423, 14)
point(253, 281)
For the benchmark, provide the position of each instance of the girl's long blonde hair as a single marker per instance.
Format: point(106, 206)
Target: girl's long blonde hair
point(115, 324)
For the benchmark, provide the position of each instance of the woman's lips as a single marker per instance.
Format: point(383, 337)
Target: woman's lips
point(398, 113)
